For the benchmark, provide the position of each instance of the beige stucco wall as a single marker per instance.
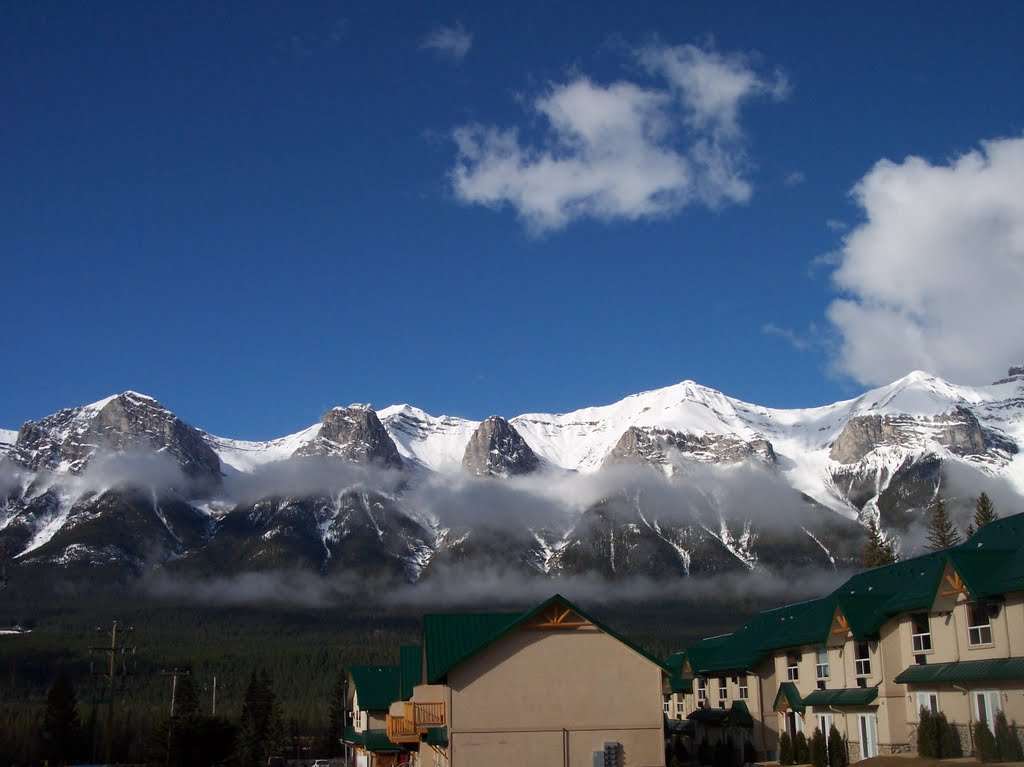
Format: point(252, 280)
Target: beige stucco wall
point(510, 703)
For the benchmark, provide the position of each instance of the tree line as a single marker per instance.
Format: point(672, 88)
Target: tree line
point(942, 531)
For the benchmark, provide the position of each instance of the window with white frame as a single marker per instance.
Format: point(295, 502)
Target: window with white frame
point(862, 659)
point(679, 706)
point(823, 722)
point(744, 690)
point(723, 688)
point(821, 664)
point(922, 633)
point(979, 626)
point(666, 707)
point(702, 688)
point(929, 701)
point(986, 706)
point(793, 666)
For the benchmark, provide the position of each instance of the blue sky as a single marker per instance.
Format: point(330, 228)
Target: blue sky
point(255, 211)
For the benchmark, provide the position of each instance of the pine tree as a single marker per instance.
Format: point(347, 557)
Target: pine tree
point(984, 511)
point(926, 739)
point(62, 729)
point(336, 717)
point(801, 753)
point(942, 533)
point(877, 551)
point(785, 749)
point(837, 756)
point(985, 747)
point(186, 699)
point(1007, 743)
point(262, 726)
point(818, 749)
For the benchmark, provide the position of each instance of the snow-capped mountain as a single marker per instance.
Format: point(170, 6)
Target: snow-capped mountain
point(676, 481)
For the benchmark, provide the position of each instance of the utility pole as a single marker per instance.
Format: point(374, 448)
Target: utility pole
point(213, 710)
point(174, 691)
point(3, 564)
point(113, 651)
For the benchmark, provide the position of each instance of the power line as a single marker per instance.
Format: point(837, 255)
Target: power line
point(114, 652)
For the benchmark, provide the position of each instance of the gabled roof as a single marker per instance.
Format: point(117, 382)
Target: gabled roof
point(451, 638)
point(736, 716)
point(680, 684)
point(377, 686)
point(789, 694)
point(410, 669)
point(995, 670)
point(851, 696)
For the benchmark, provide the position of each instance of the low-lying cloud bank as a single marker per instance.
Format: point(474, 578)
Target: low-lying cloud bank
point(468, 588)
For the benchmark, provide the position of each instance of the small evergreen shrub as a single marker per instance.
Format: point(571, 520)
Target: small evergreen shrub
point(818, 749)
point(785, 749)
point(837, 754)
point(985, 748)
point(948, 739)
point(1007, 743)
point(926, 739)
point(801, 754)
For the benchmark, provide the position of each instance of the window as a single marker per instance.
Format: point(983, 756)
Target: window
point(979, 629)
point(821, 666)
point(679, 707)
point(665, 707)
point(929, 701)
point(792, 666)
point(723, 688)
point(702, 689)
point(986, 706)
point(823, 723)
point(922, 633)
point(862, 659)
point(743, 688)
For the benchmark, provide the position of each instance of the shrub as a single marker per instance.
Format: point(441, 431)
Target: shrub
point(801, 754)
point(785, 749)
point(1007, 743)
point(948, 739)
point(985, 748)
point(818, 749)
point(837, 755)
point(926, 739)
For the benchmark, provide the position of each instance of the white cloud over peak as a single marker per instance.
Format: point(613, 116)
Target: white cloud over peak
point(622, 150)
point(933, 278)
point(454, 42)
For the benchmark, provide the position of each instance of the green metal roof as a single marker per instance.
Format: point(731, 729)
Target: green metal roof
point(1006, 533)
point(377, 740)
point(376, 686)
point(736, 716)
point(680, 684)
point(451, 638)
point(437, 736)
point(410, 669)
point(351, 736)
point(853, 696)
point(789, 693)
point(675, 662)
point(994, 670)
point(678, 726)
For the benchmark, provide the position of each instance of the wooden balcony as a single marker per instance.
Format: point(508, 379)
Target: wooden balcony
point(401, 730)
point(418, 718)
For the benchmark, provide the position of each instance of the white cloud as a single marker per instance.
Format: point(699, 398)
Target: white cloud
point(449, 41)
point(622, 150)
point(933, 277)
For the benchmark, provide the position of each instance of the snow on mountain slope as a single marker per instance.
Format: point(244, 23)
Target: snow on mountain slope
point(435, 442)
point(7, 440)
point(246, 456)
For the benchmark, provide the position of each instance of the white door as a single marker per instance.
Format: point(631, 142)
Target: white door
point(868, 736)
point(986, 706)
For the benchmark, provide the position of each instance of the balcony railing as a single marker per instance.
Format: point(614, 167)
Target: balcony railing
point(418, 717)
point(401, 730)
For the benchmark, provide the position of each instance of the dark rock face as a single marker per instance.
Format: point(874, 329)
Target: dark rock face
point(359, 532)
point(355, 434)
point(71, 438)
point(1016, 374)
point(496, 449)
point(661, 447)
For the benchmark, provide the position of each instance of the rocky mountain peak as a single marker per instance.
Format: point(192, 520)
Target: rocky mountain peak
point(663, 447)
point(354, 433)
point(496, 449)
point(1016, 373)
point(70, 438)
